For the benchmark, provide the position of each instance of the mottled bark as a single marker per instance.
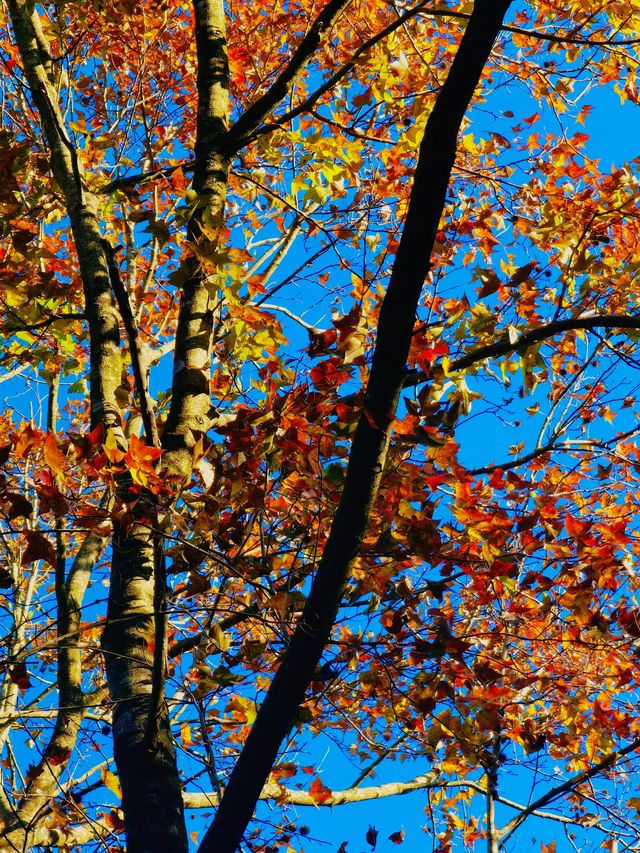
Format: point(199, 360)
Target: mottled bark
point(105, 365)
point(135, 637)
point(102, 316)
point(370, 443)
point(190, 412)
point(151, 787)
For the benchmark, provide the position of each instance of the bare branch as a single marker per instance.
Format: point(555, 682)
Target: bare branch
point(569, 785)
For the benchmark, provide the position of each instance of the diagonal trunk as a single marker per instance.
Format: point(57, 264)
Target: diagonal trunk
point(370, 443)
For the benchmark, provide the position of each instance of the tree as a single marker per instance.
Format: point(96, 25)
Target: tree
point(352, 251)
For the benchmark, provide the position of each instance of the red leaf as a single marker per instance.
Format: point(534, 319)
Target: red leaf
point(329, 374)
point(52, 500)
point(285, 770)
point(19, 675)
point(38, 548)
point(397, 837)
point(576, 528)
point(58, 756)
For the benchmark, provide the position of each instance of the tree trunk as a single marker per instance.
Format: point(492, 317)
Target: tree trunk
point(135, 635)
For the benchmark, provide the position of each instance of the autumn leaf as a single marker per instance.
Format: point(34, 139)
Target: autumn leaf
point(20, 677)
point(397, 837)
point(25, 440)
point(53, 456)
point(284, 770)
point(17, 506)
point(33, 772)
point(140, 459)
point(490, 282)
point(59, 755)
point(114, 821)
point(522, 274)
point(319, 792)
point(372, 837)
point(196, 585)
point(111, 781)
point(87, 444)
point(112, 450)
point(52, 500)
point(38, 548)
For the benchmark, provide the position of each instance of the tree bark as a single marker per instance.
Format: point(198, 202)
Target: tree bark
point(370, 443)
point(152, 798)
point(135, 636)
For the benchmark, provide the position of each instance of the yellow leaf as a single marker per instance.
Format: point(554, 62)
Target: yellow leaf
point(185, 735)
point(111, 449)
point(110, 781)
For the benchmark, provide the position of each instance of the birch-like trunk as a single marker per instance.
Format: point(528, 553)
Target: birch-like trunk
point(135, 634)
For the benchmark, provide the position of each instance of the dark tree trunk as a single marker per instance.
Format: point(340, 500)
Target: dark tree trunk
point(370, 442)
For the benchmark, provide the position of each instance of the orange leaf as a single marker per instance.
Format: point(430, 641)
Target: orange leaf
point(140, 459)
point(319, 792)
point(114, 821)
point(53, 456)
point(25, 440)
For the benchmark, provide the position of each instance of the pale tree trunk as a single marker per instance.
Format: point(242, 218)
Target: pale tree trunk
point(152, 798)
point(134, 640)
point(23, 829)
point(25, 825)
point(371, 440)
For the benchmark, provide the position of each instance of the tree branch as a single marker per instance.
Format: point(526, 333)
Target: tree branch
point(538, 334)
point(255, 114)
point(190, 411)
point(570, 785)
point(135, 347)
point(99, 305)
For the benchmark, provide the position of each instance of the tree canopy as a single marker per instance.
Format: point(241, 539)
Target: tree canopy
point(319, 426)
